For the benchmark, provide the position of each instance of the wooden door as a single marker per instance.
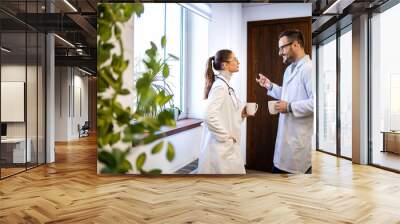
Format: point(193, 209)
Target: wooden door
point(263, 57)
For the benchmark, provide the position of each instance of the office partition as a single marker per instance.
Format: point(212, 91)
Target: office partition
point(22, 77)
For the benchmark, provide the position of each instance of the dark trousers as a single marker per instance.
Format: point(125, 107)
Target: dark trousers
point(277, 170)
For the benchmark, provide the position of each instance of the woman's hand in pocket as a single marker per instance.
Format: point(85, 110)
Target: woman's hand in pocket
point(233, 139)
point(244, 113)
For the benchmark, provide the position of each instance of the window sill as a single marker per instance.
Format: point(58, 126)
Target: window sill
point(181, 126)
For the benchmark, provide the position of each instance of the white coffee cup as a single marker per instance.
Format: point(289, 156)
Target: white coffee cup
point(271, 106)
point(251, 108)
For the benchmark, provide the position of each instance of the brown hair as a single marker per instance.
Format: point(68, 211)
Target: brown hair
point(216, 63)
point(293, 35)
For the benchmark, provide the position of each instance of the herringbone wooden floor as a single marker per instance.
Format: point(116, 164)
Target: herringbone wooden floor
point(70, 191)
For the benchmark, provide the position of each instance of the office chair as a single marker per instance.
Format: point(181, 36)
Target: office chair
point(84, 130)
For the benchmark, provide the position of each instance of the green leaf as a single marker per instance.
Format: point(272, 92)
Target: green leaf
point(151, 53)
point(140, 160)
point(114, 138)
point(124, 92)
point(165, 71)
point(103, 53)
point(153, 45)
point(107, 158)
point(166, 117)
point(117, 31)
point(124, 166)
point(128, 10)
point(123, 117)
point(151, 123)
point(106, 170)
point(105, 33)
point(163, 41)
point(170, 152)
point(163, 99)
point(101, 85)
point(157, 148)
point(155, 172)
point(138, 9)
point(151, 138)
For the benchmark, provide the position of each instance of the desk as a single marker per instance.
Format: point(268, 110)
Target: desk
point(391, 141)
point(16, 148)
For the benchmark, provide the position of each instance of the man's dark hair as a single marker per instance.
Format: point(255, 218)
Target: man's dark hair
point(293, 35)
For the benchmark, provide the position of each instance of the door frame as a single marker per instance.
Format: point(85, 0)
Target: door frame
point(252, 24)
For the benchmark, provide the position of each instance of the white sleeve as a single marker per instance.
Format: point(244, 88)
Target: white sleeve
point(303, 108)
point(216, 99)
point(275, 92)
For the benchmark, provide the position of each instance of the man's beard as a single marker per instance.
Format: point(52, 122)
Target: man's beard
point(288, 60)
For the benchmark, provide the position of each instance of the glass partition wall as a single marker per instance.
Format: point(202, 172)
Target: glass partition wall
point(334, 95)
point(22, 77)
point(385, 90)
point(327, 95)
point(334, 112)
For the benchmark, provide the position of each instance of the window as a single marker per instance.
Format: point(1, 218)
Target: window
point(327, 95)
point(174, 47)
point(385, 88)
point(197, 39)
point(346, 92)
point(156, 21)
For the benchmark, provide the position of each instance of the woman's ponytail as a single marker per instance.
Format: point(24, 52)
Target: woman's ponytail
point(209, 76)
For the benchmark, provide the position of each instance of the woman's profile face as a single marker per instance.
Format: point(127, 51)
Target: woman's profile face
point(232, 65)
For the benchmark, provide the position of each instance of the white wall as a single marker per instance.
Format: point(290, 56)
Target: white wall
point(186, 145)
point(61, 103)
point(80, 84)
point(68, 81)
point(16, 73)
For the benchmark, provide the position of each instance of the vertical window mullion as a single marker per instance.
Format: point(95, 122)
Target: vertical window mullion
point(165, 34)
point(182, 88)
point(317, 96)
point(338, 73)
point(26, 86)
point(369, 83)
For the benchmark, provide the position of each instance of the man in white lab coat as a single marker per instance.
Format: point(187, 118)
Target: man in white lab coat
point(296, 106)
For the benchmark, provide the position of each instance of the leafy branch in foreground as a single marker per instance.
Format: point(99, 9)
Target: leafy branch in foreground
point(115, 122)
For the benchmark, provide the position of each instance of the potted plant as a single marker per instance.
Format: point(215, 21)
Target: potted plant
point(157, 72)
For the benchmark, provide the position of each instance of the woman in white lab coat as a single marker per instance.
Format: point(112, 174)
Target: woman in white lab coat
point(220, 148)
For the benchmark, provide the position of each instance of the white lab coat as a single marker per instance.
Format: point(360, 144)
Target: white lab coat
point(218, 153)
point(293, 142)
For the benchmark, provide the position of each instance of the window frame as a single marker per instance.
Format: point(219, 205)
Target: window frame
point(182, 57)
point(334, 37)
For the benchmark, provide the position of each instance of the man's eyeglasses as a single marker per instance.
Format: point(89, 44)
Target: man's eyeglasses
point(283, 46)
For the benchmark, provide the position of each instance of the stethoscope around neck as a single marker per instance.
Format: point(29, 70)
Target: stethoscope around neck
point(231, 92)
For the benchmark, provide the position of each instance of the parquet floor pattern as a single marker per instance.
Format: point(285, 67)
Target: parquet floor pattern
point(70, 191)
